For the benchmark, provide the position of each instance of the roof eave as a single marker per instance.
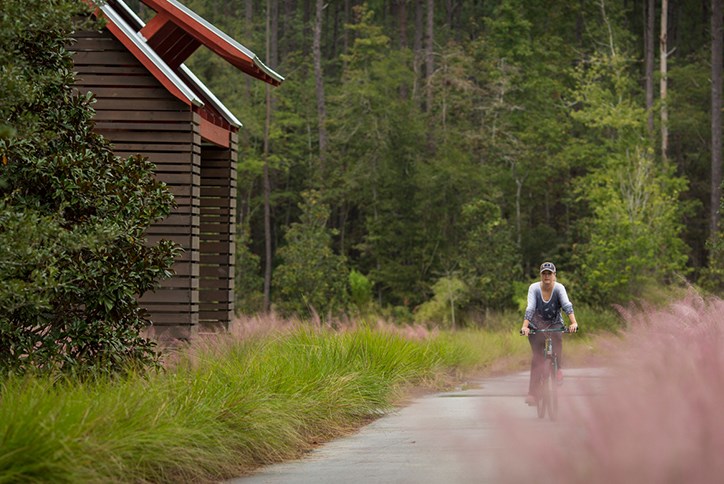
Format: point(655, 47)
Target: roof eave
point(186, 93)
point(274, 76)
point(211, 97)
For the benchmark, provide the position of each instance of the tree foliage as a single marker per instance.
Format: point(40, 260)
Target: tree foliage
point(632, 236)
point(489, 259)
point(535, 107)
point(310, 277)
point(74, 256)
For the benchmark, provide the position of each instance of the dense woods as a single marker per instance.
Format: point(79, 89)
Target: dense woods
point(458, 144)
point(424, 157)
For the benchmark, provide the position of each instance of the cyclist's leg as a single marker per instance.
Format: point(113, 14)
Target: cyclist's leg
point(536, 364)
point(558, 350)
point(552, 391)
point(558, 346)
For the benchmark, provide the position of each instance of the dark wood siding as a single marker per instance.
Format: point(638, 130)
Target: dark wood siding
point(216, 248)
point(139, 115)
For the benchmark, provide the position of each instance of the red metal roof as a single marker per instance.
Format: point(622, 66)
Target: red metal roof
point(162, 46)
point(175, 32)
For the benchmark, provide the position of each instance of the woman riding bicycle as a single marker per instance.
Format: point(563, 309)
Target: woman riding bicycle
point(546, 299)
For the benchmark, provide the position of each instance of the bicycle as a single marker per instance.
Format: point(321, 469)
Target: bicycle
point(547, 393)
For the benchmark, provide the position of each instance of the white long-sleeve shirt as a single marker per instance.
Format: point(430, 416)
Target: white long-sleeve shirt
point(543, 314)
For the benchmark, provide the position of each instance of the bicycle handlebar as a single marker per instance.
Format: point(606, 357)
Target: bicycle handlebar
point(555, 330)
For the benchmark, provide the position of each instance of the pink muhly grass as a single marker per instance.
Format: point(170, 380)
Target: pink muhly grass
point(263, 325)
point(658, 417)
point(246, 327)
point(270, 326)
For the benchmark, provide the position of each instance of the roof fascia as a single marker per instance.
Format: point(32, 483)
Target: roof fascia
point(211, 97)
point(214, 134)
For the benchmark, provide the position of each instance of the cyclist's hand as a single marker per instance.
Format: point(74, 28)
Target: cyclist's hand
point(525, 330)
point(573, 327)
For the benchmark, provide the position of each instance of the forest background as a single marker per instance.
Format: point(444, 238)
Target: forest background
point(423, 158)
point(419, 162)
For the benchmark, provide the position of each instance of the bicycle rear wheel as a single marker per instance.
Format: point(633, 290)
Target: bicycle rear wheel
point(552, 391)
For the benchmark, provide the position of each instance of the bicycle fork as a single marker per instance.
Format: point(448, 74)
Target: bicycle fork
point(548, 352)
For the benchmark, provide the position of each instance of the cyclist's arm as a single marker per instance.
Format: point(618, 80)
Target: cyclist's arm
point(567, 308)
point(573, 327)
point(566, 305)
point(529, 310)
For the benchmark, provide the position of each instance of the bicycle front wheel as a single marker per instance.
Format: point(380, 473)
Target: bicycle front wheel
point(543, 396)
point(552, 390)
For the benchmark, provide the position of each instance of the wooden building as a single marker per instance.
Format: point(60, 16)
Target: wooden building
point(148, 102)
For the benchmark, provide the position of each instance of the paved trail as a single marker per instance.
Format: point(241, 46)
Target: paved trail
point(454, 437)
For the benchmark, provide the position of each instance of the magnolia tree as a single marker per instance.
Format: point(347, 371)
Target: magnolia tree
point(73, 255)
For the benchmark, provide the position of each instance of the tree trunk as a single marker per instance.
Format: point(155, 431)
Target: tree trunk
point(266, 174)
point(334, 31)
point(717, 52)
point(518, 222)
point(417, 47)
point(289, 30)
point(663, 55)
point(650, 13)
point(429, 61)
point(402, 26)
point(248, 30)
point(402, 22)
point(319, 82)
point(273, 57)
point(347, 19)
point(450, 7)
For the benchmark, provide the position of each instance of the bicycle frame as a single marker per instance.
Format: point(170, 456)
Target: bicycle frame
point(547, 395)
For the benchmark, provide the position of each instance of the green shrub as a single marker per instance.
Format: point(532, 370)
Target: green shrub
point(360, 290)
point(450, 294)
point(310, 276)
point(73, 216)
point(398, 314)
point(597, 319)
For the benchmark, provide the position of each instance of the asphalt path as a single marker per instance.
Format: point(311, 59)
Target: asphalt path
point(465, 436)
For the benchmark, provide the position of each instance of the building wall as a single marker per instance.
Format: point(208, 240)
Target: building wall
point(217, 247)
point(139, 115)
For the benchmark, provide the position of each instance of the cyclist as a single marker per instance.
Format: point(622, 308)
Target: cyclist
point(546, 299)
